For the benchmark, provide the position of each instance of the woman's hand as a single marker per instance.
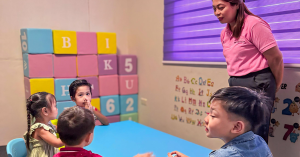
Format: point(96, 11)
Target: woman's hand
point(145, 155)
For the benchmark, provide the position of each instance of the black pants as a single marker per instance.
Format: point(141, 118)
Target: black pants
point(262, 80)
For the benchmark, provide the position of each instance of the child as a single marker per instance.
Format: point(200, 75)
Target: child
point(234, 113)
point(81, 94)
point(41, 139)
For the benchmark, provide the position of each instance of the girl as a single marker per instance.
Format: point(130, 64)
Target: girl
point(41, 139)
point(252, 56)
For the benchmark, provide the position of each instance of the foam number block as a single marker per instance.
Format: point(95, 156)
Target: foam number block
point(108, 85)
point(96, 103)
point(39, 85)
point(27, 87)
point(130, 116)
point(36, 41)
point(64, 66)
point(64, 42)
point(38, 65)
point(61, 106)
point(107, 43)
point(113, 119)
point(86, 43)
point(95, 85)
point(107, 64)
point(110, 105)
point(128, 84)
point(87, 65)
point(127, 64)
point(128, 104)
point(62, 89)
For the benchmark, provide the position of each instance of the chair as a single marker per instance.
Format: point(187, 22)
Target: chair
point(16, 148)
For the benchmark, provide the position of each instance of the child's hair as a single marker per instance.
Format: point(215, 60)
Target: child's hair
point(78, 83)
point(73, 124)
point(34, 104)
point(251, 105)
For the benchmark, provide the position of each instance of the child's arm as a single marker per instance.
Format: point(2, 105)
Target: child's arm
point(178, 154)
point(49, 137)
point(101, 117)
point(144, 155)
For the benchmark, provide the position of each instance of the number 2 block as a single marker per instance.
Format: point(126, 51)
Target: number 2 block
point(61, 106)
point(110, 105)
point(107, 43)
point(128, 103)
point(127, 64)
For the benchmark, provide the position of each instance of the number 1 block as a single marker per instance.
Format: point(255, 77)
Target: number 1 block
point(110, 105)
point(107, 43)
point(130, 116)
point(129, 103)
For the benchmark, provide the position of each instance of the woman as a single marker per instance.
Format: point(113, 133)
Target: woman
point(251, 52)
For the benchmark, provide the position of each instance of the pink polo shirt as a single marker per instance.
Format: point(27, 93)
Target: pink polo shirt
point(245, 55)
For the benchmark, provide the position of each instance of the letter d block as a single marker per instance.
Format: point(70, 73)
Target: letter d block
point(36, 41)
point(110, 105)
point(62, 89)
point(64, 42)
point(107, 65)
point(61, 106)
point(128, 84)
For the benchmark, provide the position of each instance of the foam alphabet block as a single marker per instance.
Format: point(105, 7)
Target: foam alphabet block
point(113, 119)
point(62, 89)
point(108, 85)
point(128, 84)
point(38, 65)
point(87, 65)
point(127, 64)
point(27, 87)
point(64, 42)
point(110, 105)
point(64, 66)
point(97, 122)
point(128, 104)
point(61, 106)
point(107, 64)
point(107, 43)
point(96, 103)
point(86, 43)
point(39, 85)
point(36, 41)
point(130, 116)
point(95, 85)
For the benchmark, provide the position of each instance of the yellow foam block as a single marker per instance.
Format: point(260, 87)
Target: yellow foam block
point(42, 85)
point(96, 103)
point(64, 42)
point(107, 43)
point(54, 122)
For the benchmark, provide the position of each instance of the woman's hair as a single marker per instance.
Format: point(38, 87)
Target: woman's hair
point(34, 104)
point(240, 17)
point(76, 84)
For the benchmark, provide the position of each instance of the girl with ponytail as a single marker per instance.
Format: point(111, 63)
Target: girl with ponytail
point(251, 52)
point(41, 139)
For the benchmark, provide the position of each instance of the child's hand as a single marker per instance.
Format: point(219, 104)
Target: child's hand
point(145, 155)
point(177, 154)
point(87, 105)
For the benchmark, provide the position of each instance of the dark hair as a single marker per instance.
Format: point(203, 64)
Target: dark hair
point(253, 106)
point(76, 84)
point(240, 17)
point(73, 124)
point(34, 104)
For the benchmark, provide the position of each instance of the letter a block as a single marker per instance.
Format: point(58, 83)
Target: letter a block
point(95, 85)
point(64, 66)
point(64, 42)
point(39, 85)
point(110, 105)
point(38, 65)
point(107, 43)
point(128, 103)
point(130, 116)
point(107, 64)
point(108, 85)
point(62, 89)
point(87, 65)
point(61, 106)
point(127, 64)
point(128, 84)
point(36, 41)
point(86, 43)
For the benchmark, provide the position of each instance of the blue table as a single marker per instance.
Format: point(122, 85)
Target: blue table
point(128, 138)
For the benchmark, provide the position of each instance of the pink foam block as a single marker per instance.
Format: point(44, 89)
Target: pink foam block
point(97, 122)
point(95, 85)
point(127, 64)
point(87, 65)
point(40, 65)
point(64, 66)
point(112, 119)
point(107, 64)
point(108, 85)
point(27, 87)
point(86, 42)
point(128, 84)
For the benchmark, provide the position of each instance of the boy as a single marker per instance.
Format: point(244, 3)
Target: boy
point(234, 113)
point(81, 93)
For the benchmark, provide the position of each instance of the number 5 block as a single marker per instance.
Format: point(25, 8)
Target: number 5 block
point(127, 64)
point(110, 105)
point(128, 103)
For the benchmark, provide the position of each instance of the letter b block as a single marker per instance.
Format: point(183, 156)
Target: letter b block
point(107, 64)
point(62, 89)
point(65, 42)
point(110, 105)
